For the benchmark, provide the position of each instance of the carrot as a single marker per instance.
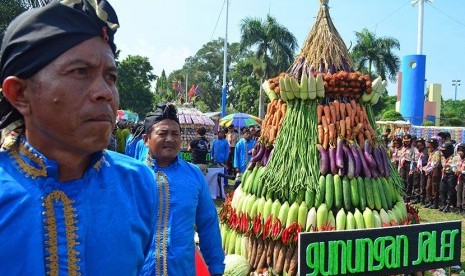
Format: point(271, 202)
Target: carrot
point(278, 268)
point(258, 253)
point(288, 258)
point(342, 108)
point(360, 114)
point(353, 105)
point(367, 134)
point(348, 128)
point(324, 122)
point(269, 253)
point(262, 262)
point(253, 252)
point(277, 248)
point(327, 111)
point(326, 140)
point(332, 132)
point(273, 133)
point(360, 139)
point(250, 249)
point(319, 112)
point(349, 111)
point(293, 265)
point(336, 104)
point(336, 126)
point(321, 134)
point(342, 125)
point(332, 109)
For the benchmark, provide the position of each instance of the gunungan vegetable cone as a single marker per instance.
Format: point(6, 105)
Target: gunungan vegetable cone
point(323, 51)
point(318, 166)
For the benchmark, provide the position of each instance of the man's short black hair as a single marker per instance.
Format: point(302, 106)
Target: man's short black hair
point(201, 131)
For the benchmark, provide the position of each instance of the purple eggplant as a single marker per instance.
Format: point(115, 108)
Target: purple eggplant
point(324, 165)
point(321, 69)
point(266, 156)
point(366, 168)
point(357, 161)
point(260, 153)
point(379, 160)
point(332, 159)
point(341, 172)
point(350, 162)
point(332, 69)
point(387, 168)
point(340, 153)
point(374, 173)
point(367, 153)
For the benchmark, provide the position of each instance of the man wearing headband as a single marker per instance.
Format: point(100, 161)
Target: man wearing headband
point(184, 202)
point(68, 207)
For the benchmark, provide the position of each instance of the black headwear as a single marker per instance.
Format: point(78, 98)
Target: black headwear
point(38, 36)
point(163, 111)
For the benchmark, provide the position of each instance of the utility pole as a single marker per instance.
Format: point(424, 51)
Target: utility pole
point(225, 65)
point(420, 23)
point(455, 83)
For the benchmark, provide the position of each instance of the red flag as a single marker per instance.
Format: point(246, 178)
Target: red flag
point(191, 91)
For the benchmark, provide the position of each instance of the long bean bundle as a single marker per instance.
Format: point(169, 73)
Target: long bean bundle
point(294, 164)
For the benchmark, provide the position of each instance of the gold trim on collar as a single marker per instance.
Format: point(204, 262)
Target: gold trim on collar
point(24, 167)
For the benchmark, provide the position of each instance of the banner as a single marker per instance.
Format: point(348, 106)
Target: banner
point(380, 251)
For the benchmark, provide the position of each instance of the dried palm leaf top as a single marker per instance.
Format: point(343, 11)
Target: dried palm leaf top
point(324, 49)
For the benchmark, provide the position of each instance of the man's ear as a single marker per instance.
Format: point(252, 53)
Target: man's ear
point(145, 137)
point(14, 91)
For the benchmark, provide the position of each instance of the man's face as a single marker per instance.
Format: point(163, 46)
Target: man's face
point(420, 146)
point(73, 100)
point(220, 135)
point(164, 141)
point(247, 135)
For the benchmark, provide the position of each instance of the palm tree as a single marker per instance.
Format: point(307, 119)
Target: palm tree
point(275, 48)
point(373, 54)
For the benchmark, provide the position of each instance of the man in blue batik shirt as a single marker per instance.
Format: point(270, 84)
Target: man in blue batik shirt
point(243, 147)
point(184, 203)
point(68, 206)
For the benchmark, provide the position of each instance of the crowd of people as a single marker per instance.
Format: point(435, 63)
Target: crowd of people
point(433, 170)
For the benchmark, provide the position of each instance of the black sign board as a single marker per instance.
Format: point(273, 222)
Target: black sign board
point(187, 156)
point(380, 251)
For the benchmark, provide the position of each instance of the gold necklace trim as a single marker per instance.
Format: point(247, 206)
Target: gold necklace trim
point(24, 167)
point(162, 228)
point(51, 245)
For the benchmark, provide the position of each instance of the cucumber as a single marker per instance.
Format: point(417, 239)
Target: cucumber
point(350, 223)
point(259, 181)
point(309, 197)
point(369, 193)
point(359, 221)
point(361, 193)
point(329, 191)
point(321, 217)
point(354, 196)
point(319, 195)
point(337, 191)
point(341, 219)
point(300, 196)
point(376, 195)
point(283, 211)
point(387, 192)
point(382, 195)
point(346, 193)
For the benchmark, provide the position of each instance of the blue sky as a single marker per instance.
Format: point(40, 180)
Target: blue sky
point(167, 32)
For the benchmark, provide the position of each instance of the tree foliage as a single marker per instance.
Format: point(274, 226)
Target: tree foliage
point(391, 115)
point(374, 55)
point(275, 44)
point(134, 84)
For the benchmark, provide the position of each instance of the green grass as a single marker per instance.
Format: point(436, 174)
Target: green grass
point(431, 215)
